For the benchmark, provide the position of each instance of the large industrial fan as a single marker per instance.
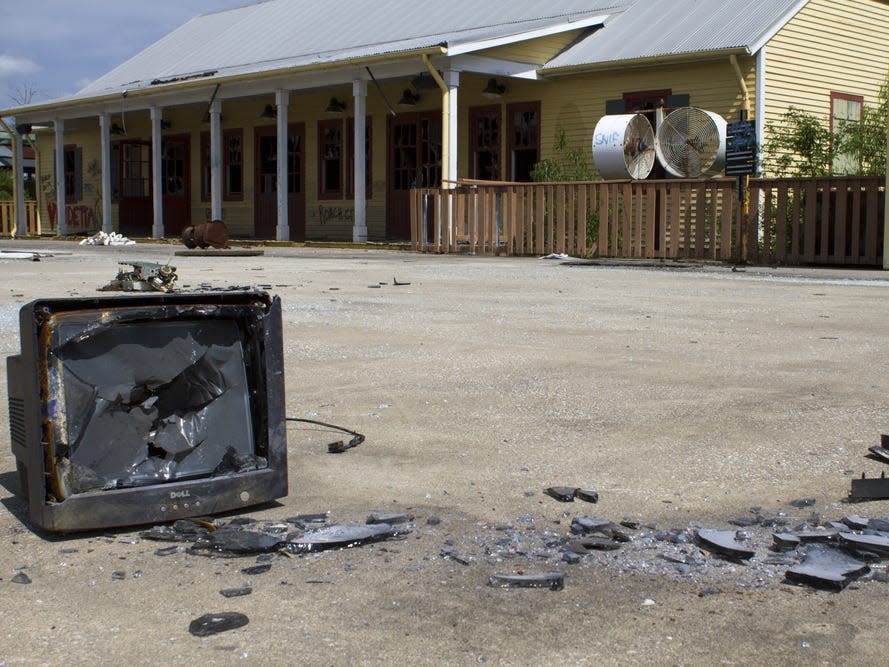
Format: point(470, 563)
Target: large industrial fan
point(690, 143)
point(623, 146)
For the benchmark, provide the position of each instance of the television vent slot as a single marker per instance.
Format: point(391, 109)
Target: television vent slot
point(17, 421)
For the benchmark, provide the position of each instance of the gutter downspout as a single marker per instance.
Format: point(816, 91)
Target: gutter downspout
point(760, 112)
point(446, 176)
point(745, 92)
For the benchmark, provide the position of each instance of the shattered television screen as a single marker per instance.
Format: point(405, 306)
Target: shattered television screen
point(142, 408)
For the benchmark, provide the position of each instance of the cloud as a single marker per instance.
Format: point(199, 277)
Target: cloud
point(12, 67)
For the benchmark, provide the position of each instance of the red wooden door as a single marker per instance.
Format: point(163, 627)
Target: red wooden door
point(265, 205)
point(136, 209)
point(414, 162)
point(175, 178)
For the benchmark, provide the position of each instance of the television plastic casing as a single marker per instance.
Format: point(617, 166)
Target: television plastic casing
point(32, 399)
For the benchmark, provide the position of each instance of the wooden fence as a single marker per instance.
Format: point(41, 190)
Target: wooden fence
point(7, 219)
point(836, 220)
point(644, 219)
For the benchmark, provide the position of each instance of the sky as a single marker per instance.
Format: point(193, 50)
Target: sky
point(56, 47)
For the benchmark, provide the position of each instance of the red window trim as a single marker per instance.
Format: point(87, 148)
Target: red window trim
point(843, 96)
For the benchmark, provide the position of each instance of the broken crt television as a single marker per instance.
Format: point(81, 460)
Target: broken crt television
point(148, 407)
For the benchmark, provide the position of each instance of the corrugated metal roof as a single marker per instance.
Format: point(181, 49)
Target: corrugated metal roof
point(650, 29)
point(290, 33)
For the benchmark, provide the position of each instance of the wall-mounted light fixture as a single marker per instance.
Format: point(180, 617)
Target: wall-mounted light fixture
point(424, 81)
point(335, 106)
point(166, 124)
point(494, 90)
point(269, 113)
point(409, 98)
point(116, 129)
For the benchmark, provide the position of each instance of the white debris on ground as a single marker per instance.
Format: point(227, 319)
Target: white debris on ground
point(101, 238)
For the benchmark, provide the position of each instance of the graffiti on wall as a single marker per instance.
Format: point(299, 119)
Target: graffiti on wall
point(324, 214)
point(77, 216)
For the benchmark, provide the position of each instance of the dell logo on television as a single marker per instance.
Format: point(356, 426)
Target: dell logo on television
point(180, 494)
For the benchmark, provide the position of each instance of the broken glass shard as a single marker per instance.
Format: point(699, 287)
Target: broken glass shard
point(256, 569)
point(150, 402)
point(389, 517)
point(876, 544)
point(855, 522)
point(594, 543)
point(724, 543)
point(237, 541)
point(587, 495)
point(826, 535)
point(785, 541)
point(236, 592)
point(211, 624)
point(555, 581)
point(826, 567)
point(341, 536)
point(449, 553)
point(564, 494)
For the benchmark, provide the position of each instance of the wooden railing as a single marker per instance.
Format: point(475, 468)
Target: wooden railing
point(644, 219)
point(7, 219)
point(835, 220)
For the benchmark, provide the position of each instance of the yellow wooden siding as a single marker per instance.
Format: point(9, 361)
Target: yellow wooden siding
point(830, 46)
point(538, 51)
point(576, 103)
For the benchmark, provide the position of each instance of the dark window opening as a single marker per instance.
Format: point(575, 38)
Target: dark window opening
point(484, 128)
point(330, 157)
point(524, 139)
point(232, 165)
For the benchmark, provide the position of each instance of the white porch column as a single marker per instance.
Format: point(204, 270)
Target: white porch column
point(157, 183)
point(105, 130)
point(18, 171)
point(61, 195)
point(359, 225)
point(282, 232)
point(216, 160)
point(452, 79)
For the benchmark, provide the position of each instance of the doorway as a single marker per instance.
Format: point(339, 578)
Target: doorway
point(414, 162)
point(265, 206)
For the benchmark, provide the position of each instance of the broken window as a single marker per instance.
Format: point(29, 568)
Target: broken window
point(232, 165)
point(523, 139)
point(330, 159)
point(484, 143)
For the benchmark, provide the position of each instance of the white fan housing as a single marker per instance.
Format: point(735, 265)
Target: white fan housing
point(690, 143)
point(623, 146)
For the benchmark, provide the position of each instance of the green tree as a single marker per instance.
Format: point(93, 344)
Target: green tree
point(6, 185)
point(866, 139)
point(800, 144)
point(568, 164)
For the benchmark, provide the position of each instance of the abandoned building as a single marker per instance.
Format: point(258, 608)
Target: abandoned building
point(292, 120)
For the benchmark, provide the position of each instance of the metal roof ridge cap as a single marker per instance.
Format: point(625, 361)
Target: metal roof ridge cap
point(457, 49)
point(666, 59)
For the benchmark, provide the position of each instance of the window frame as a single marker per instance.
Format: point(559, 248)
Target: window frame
point(324, 191)
point(839, 162)
point(511, 145)
point(227, 193)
